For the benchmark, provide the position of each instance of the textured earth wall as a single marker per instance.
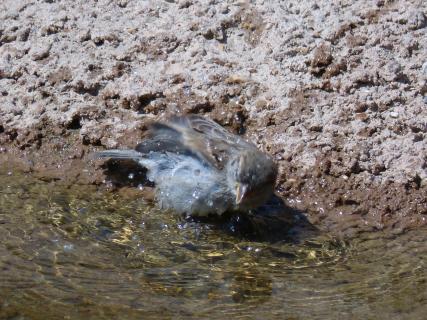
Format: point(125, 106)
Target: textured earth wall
point(335, 90)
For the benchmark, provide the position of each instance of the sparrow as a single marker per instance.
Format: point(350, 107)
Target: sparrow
point(200, 169)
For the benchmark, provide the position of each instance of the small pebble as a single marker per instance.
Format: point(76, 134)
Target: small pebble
point(40, 52)
point(417, 20)
point(394, 114)
point(84, 35)
point(224, 9)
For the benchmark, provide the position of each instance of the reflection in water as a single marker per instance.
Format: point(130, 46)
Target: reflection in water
point(79, 252)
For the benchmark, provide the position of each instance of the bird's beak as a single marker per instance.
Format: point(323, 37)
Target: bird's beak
point(240, 192)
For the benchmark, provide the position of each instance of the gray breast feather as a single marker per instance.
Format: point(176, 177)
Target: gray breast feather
point(175, 176)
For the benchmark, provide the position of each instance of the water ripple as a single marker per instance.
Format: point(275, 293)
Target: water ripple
point(81, 252)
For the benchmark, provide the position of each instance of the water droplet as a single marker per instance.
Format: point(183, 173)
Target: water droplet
point(68, 247)
point(196, 194)
point(131, 176)
point(140, 187)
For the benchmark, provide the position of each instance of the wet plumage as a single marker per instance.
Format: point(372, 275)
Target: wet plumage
point(199, 168)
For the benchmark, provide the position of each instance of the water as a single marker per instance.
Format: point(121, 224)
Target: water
point(77, 252)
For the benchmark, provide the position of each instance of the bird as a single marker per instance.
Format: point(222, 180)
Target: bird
point(200, 169)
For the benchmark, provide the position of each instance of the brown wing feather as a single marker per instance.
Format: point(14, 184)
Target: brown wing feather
point(177, 135)
point(212, 129)
point(218, 143)
point(205, 138)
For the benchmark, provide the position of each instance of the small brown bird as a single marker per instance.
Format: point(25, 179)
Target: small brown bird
point(199, 168)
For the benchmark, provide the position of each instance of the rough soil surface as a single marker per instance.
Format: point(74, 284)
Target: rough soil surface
point(336, 91)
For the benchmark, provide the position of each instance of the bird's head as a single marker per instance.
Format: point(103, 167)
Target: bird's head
point(253, 177)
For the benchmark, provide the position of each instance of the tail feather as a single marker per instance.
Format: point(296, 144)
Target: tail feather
point(118, 154)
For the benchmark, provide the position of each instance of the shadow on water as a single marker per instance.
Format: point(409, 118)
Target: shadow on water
point(275, 221)
point(125, 173)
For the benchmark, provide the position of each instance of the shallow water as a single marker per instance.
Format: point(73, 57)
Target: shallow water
point(81, 253)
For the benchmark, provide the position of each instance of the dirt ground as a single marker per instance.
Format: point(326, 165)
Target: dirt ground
point(336, 91)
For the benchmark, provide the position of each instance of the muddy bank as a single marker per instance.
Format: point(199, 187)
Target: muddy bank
point(336, 92)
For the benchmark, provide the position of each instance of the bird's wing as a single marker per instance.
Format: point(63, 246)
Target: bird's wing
point(162, 137)
point(212, 129)
point(219, 143)
point(193, 135)
point(176, 136)
point(216, 143)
